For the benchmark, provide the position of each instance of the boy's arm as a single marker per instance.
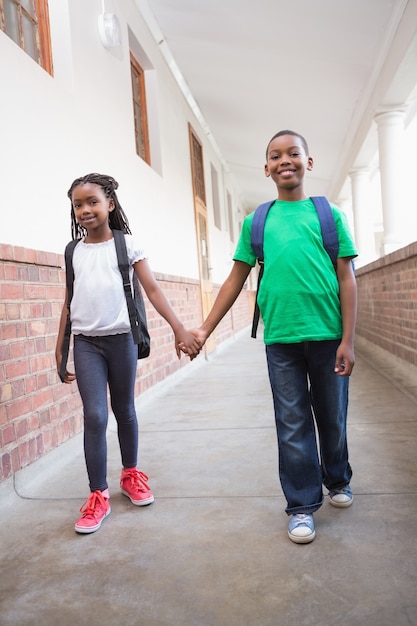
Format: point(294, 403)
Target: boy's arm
point(345, 356)
point(228, 293)
point(183, 338)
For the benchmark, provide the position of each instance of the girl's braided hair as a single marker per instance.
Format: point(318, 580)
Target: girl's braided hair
point(117, 217)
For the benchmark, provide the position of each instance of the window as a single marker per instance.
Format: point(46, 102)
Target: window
point(139, 110)
point(216, 199)
point(27, 23)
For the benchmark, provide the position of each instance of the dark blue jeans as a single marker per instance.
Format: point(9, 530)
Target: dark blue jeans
point(307, 395)
point(100, 362)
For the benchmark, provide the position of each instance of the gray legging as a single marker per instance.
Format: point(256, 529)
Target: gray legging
point(102, 361)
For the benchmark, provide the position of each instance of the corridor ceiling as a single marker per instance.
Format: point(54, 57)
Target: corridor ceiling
point(323, 68)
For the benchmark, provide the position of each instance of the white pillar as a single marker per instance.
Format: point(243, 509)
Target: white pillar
point(363, 216)
point(391, 145)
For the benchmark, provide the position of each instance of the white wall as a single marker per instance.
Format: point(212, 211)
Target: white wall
point(55, 129)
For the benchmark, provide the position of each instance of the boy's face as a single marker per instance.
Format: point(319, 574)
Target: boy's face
point(287, 162)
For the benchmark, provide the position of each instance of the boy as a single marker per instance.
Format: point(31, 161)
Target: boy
point(309, 315)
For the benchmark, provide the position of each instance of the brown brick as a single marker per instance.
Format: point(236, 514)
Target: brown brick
point(42, 399)
point(21, 428)
point(18, 408)
point(6, 392)
point(8, 435)
point(11, 291)
point(17, 369)
point(18, 349)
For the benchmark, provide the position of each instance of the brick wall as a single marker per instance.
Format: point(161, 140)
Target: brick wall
point(387, 303)
point(37, 411)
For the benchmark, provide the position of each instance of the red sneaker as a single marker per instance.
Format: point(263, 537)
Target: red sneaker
point(94, 510)
point(133, 484)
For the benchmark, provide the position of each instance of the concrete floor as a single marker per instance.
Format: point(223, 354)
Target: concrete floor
point(213, 549)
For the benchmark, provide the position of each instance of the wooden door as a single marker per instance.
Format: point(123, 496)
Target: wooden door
point(200, 212)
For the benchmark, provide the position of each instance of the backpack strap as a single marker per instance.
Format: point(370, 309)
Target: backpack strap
point(257, 243)
point(328, 233)
point(123, 262)
point(328, 227)
point(69, 279)
point(257, 230)
point(69, 270)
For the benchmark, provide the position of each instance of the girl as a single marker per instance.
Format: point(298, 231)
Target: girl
point(104, 351)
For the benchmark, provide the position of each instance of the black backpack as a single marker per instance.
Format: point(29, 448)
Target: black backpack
point(135, 304)
point(328, 233)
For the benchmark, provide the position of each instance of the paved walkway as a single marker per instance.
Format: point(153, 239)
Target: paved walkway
point(213, 548)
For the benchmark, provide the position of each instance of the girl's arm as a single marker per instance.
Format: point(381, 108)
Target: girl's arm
point(184, 340)
point(228, 293)
point(345, 356)
point(69, 376)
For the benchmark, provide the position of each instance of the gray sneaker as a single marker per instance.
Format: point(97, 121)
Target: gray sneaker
point(341, 498)
point(301, 528)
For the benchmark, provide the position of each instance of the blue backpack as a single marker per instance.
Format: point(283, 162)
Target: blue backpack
point(328, 233)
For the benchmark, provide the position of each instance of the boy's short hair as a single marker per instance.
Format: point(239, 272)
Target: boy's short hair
point(288, 132)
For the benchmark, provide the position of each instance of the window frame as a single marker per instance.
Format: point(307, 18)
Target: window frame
point(142, 134)
point(42, 33)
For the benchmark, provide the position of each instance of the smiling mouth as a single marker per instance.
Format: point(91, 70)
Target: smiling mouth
point(287, 172)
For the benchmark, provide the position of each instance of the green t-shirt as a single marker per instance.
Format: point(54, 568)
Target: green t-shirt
point(299, 292)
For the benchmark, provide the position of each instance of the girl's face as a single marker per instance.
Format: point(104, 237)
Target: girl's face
point(91, 207)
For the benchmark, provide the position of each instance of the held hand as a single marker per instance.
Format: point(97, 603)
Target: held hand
point(200, 334)
point(201, 337)
point(186, 342)
point(345, 360)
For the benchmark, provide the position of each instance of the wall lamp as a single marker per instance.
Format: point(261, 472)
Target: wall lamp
point(109, 29)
